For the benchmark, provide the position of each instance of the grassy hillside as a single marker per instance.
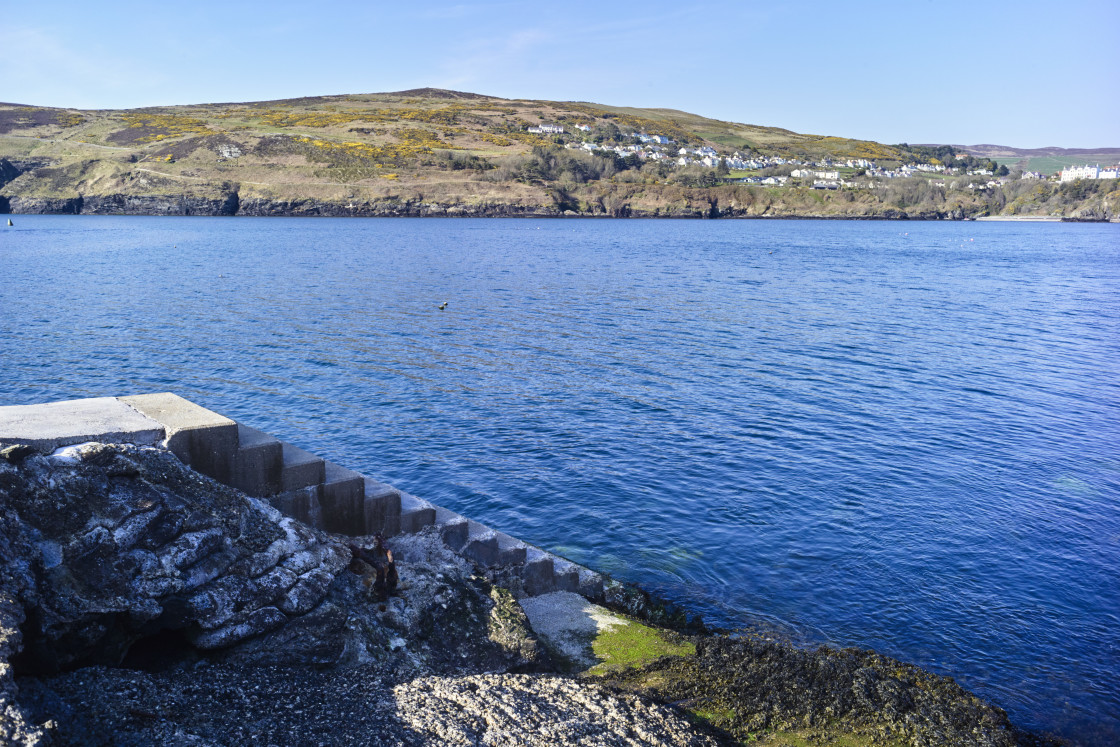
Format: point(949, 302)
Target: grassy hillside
point(424, 151)
point(1044, 160)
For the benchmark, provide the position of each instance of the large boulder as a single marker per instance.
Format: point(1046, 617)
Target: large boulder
point(110, 544)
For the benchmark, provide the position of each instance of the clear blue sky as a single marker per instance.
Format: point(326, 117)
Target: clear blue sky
point(1024, 73)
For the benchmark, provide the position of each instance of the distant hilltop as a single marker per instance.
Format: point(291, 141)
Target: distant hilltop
point(1046, 160)
point(429, 151)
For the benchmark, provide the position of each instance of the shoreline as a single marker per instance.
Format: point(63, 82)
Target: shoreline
point(535, 214)
point(733, 686)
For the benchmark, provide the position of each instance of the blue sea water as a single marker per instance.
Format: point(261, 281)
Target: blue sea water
point(903, 436)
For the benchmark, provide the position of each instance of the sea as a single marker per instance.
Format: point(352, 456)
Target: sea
point(903, 436)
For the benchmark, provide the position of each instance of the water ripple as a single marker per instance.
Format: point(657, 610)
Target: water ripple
point(864, 438)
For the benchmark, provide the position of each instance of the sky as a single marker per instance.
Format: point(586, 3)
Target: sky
point(1026, 73)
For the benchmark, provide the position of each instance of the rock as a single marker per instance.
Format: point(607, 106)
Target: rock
point(544, 711)
point(130, 542)
point(759, 684)
point(16, 453)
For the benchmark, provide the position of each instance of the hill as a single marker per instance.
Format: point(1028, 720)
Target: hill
point(439, 152)
point(1046, 160)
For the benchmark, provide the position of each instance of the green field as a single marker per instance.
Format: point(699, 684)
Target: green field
point(1054, 164)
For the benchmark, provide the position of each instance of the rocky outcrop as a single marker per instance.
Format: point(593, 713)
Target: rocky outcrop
point(127, 542)
point(753, 684)
point(45, 205)
point(538, 711)
point(127, 573)
point(121, 204)
point(259, 207)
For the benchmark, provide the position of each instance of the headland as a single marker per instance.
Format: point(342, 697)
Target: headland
point(432, 152)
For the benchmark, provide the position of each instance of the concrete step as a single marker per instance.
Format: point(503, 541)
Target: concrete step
point(202, 439)
point(416, 514)
point(300, 469)
point(591, 584)
point(256, 463)
point(453, 528)
point(537, 574)
point(511, 551)
point(565, 575)
point(382, 508)
point(481, 545)
point(302, 505)
point(342, 496)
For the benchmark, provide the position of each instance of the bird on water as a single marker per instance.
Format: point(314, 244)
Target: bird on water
point(442, 306)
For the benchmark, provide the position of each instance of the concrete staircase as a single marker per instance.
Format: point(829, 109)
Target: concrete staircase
point(299, 484)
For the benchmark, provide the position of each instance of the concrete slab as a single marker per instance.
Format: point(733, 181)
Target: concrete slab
point(200, 438)
point(48, 426)
point(256, 463)
point(453, 528)
point(416, 513)
point(301, 505)
point(511, 551)
point(537, 572)
point(482, 545)
point(342, 497)
point(382, 508)
point(301, 469)
point(565, 575)
point(569, 623)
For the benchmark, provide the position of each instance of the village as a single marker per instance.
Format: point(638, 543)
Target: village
point(824, 174)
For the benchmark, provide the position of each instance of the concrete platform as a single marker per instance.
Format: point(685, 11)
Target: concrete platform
point(301, 469)
point(382, 509)
point(416, 513)
point(48, 426)
point(256, 463)
point(342, 496)
point(200, 438)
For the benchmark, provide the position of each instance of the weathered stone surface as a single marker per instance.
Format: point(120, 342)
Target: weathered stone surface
point(46, 427)
point(544, 711)
point(127, 541)
point(758, 684)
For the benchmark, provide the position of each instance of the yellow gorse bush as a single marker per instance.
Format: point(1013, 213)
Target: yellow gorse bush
point(171, 125)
